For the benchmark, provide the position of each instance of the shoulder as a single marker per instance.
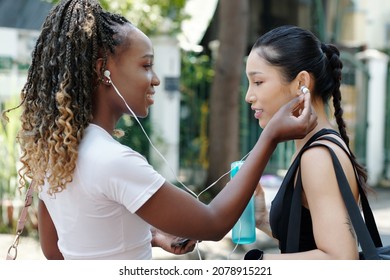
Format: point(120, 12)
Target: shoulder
point(316, 163)
point(321, 150)
point(102, 155)
point(99, 146)
point(317, 166)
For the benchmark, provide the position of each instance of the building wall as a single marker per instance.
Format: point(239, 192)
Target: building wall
point(15, 56)
point(377, 22)
point(363, 22)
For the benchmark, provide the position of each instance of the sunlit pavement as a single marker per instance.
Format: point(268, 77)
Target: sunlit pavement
point(29, 248)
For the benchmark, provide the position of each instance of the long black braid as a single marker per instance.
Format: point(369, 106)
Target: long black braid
point(335, 66)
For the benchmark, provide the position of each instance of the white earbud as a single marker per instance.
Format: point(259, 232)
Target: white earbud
point(107, 74)
point(304, 89)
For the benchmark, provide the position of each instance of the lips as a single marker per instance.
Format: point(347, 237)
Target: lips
point(258, 112)
point(149, 97)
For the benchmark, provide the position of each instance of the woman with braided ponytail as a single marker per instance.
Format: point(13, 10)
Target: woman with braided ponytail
point(285, 62)
point(99, 199)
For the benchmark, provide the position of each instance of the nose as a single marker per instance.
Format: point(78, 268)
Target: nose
point(155, 80)
point(250, 98)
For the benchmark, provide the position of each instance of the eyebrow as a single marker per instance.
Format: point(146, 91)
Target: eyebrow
point(148, 56)
point(252, 73)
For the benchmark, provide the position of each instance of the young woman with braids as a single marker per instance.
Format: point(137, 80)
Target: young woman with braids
point(283, 61)
point(98, 198)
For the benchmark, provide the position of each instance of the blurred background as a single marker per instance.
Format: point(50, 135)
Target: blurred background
point(200, 121)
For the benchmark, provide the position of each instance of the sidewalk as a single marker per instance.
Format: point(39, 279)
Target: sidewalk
point(29, 248)
point(379, 202)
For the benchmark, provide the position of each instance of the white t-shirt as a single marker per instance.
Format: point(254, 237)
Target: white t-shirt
point(94, 216)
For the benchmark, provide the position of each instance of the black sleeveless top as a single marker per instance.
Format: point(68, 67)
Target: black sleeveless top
point(281, 205)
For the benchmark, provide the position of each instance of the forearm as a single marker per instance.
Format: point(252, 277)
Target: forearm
point(316, 254)
point(283, 126)
point(175, 211)
point(264, 227)
point(153, 242)
point(261, 212)
point(234, 197)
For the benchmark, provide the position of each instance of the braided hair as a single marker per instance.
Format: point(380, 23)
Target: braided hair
point(57, 97)
point(292, 50)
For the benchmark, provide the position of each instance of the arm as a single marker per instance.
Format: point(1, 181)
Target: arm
point(261, 212)
point(332, 228)
point(170, 243)
point(47, 234)
point(176, 212)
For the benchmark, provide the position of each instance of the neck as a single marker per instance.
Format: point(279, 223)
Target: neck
point(105, 113)
point(322, 122)
point(108, 125)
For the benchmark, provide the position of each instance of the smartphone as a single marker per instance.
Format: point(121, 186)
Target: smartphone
point(181, 243)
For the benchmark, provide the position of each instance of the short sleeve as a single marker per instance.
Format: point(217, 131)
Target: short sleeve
point(131, 180)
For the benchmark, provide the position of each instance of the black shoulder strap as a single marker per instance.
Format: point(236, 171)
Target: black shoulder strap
point(291, 217)
point(365, 237)
point(319, 135)
point(294, 221)
point(367, 212)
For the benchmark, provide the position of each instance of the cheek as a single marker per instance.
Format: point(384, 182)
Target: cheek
point(143, 80)
point(273, 103)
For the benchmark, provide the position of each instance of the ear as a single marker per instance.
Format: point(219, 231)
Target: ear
point(99, 67)
point(302, 79)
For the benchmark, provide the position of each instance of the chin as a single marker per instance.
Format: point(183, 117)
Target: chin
point(143, 115)
point(262, 124)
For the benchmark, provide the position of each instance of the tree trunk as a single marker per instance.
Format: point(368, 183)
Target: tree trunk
point(225, 91)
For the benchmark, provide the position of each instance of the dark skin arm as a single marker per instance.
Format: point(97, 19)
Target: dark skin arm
point(188, 217)
point(170, 243)
point(47, 234)
point(176, 212)
point(48, 238)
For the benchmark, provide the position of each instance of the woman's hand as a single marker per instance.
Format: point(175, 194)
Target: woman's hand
point(261, 211)
point(291, 121)
point(172, 244)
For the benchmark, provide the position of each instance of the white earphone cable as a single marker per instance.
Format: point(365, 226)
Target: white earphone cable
point(107, 75)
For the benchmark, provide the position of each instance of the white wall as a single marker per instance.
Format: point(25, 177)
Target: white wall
point(377, 67)
point(165, 113)
point(17, 45)
point(8, 49)
point(377, 15)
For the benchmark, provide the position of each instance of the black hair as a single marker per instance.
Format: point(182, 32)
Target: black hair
point(57, 97)
point(293, 49)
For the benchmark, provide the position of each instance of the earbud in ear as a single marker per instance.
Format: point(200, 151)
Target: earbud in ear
point(107, 74)
point(304, 89)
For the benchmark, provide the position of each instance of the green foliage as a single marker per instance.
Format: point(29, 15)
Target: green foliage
point(153, 17)
point(196, 77)
point(9, 157)
point(133, 135)
point(9, 151)
point(195, 83)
